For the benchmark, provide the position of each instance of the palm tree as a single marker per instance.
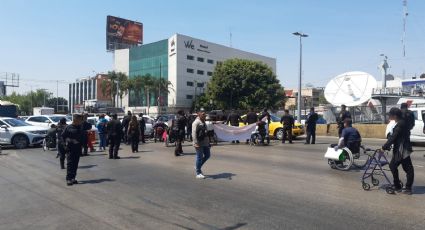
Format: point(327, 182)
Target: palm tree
point(109, 86)
point(147, 87)
point(137, 84)
point(163, 86)
point(122, 85)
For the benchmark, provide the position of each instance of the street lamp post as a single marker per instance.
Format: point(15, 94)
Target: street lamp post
point(301, 35)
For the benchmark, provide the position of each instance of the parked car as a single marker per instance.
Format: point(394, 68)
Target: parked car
point(19, 133)
point(417, 134)
point(46, 120)
point(149, 125)
point(276, 128)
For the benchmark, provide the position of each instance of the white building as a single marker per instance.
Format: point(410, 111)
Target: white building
point(188, 63)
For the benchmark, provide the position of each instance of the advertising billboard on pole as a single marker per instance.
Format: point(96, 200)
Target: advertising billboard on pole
point(122, 33)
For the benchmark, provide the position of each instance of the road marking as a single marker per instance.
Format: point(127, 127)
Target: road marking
point(420, 166)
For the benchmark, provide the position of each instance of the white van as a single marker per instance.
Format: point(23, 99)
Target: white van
point(417, 133)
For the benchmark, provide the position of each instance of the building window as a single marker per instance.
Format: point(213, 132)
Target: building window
point(189, 96)
point(200, 72)
point(190, 70)
point(200, 85)
point(200, 59)
point(190, 57)
point(210, 61)
point(209, 73)
point(189, 83)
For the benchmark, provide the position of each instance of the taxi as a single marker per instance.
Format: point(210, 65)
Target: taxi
point(276, 128)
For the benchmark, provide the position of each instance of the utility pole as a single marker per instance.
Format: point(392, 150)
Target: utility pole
point(384, 67)
point(159, 89)
point(301, 35)
point(57, 96)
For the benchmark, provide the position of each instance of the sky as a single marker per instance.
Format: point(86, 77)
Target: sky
point(50, 43)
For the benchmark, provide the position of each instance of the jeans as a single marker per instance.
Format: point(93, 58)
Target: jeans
point(102, 140)
point(202, 155)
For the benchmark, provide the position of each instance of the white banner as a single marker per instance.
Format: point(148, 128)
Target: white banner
point(232, 133)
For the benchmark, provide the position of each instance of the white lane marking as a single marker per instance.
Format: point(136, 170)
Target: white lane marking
point(420, 166)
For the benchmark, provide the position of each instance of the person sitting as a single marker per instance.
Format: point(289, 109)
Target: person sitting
point(350, 137)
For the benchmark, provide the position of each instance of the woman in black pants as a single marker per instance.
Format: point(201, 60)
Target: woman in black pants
point(133, 133)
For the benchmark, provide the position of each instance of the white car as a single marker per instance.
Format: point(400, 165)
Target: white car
point(46, 120)
point(417, 134)
point(19, 133)
point(149, 121)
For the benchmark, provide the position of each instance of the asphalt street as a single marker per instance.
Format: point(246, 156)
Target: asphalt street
point(247, 187)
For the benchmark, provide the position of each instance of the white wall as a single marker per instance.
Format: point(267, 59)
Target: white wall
point(122, 64)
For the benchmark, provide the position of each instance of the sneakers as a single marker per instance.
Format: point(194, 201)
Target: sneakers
point(397, 189)
point(200, 176)
point(74, 181)
point(407, 191)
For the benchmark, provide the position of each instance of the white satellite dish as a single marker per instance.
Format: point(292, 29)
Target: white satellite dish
point(350, 88)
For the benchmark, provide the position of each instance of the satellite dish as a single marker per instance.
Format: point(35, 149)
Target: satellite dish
point(350, 88)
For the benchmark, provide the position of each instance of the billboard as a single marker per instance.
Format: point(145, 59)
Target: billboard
point(122, 33)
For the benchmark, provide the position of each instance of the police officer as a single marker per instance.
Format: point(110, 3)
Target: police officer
point(125, 122)
point(265, 114)
point(288, 123)
point(180, 126)
point(311, 126)
point(61, 142)
point(343, 114)
point(142, 124)
point(115, 133)
point(72, 135)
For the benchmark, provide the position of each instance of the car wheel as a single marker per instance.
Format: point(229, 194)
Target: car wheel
point(20, 141)
point(278, 134)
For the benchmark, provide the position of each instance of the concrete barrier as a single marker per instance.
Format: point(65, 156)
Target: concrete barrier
point(366, 130)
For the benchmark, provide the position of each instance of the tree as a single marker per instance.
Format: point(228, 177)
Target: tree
point(148, 86)
point(60, 101)
point(122, 85)
point(30, 100)
point(322, 99)
point(109, 87)
point(164, 86)
point(242, 84)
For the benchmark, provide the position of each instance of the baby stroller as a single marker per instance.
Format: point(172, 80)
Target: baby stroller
point(375, 167)
point(259, 135)
point(49, 142)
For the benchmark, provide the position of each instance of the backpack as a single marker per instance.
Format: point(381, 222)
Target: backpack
point(201, 132)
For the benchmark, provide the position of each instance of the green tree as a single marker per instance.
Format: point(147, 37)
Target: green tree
point(28, 101)
point(241, 84)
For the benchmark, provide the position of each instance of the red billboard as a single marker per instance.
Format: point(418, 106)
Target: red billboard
point(122, 33)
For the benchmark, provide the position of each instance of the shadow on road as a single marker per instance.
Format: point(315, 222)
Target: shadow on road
point(98, 154)
point(96, 181)
point(131, 157)
point(238, 225)
point(418, 189)
point(221, 176)
point(86, 166)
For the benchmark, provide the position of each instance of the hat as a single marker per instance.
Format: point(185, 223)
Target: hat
point(395, 112)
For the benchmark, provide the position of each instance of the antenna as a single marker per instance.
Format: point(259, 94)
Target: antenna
point(230, 38)
point(405, 14)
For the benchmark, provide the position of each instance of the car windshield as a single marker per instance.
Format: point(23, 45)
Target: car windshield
point(57, 118)
point(15, 122)
point(274, 118)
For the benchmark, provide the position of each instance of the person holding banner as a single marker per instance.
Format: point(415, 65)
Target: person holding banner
point(251, 118)
point(234, 120)
point(201, 143)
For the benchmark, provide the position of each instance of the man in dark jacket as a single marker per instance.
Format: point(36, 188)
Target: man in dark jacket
point(125, 121)
point(311, 126)
point(409, 119)
point(288, 123)
point(343, 114)
point(115, 133)
point(401, 154)
point(142, 123)
point(180, 126)
point(72, 135)
point(234, 120)
point(190, 119)
point(251, 118)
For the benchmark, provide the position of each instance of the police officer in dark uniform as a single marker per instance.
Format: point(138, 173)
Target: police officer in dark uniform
point(311, 126)
point(115, 133)
point(125, 122)
point(142, 124)
point(72, 135)
point(180, 126)
point(61, 142)
point(343, 115)
point(234, 120)
point(288, 123)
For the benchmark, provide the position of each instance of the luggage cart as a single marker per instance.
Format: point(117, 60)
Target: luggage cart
point(375, 167)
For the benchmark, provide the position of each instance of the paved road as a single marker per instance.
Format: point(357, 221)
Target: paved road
point(271, 187)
